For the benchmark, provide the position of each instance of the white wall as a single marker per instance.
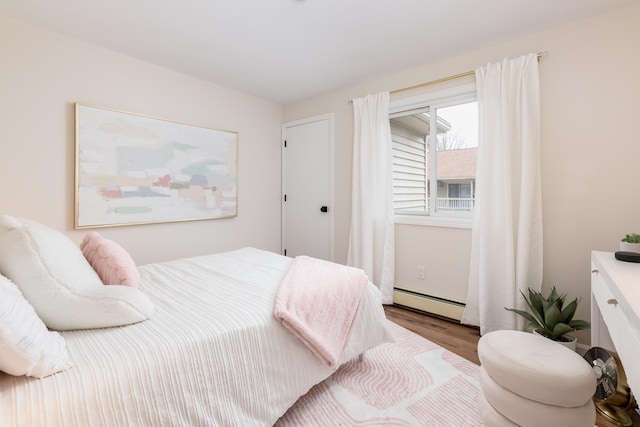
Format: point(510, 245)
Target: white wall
point(590, 89)
point(43, 74)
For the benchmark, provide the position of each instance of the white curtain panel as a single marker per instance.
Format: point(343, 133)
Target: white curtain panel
point(506, 245)
point(371, 239)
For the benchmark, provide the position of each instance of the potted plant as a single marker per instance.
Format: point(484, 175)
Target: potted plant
point(550, 318)
point(630, 243)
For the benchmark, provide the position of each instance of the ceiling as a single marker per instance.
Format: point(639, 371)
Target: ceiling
point(288, 50)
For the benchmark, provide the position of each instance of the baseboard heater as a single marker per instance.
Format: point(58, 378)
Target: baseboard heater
point(428, 303)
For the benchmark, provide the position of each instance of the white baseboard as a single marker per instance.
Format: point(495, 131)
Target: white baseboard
point(429, 304)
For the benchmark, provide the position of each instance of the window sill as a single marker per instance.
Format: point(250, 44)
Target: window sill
point(433, 221)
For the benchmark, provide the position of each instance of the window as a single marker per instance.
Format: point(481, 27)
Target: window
point(435, 143)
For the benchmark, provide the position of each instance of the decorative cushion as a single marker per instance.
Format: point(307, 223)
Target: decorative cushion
point(26, 346)
point(113, 264)
point(525, 412)
point(58, 281)
point(537, 368)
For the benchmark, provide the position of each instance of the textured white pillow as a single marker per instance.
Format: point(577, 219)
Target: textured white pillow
point(59, 282)
point(26, 346)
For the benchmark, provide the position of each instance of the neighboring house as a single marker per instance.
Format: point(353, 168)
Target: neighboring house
point(456, 168)
point(456, 179)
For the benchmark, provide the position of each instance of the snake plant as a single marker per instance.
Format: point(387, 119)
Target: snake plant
point(549, 316)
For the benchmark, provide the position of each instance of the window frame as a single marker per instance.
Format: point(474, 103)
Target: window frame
point(455, 95)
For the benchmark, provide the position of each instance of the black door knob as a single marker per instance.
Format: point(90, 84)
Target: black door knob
point(324, 209)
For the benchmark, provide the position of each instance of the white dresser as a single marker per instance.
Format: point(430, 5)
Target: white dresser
point(615, 311)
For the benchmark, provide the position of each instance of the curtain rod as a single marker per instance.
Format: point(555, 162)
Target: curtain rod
point(445, 79)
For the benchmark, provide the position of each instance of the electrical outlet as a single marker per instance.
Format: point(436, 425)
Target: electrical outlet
point(420, 272)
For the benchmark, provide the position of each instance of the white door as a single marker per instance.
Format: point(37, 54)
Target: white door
point(307, 209)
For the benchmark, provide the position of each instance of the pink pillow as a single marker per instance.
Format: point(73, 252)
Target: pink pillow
point(112, 263)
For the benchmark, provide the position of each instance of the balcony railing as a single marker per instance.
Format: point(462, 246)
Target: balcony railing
point(455, 204)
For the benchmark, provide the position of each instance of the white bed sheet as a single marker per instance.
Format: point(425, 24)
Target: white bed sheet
point(213, 354)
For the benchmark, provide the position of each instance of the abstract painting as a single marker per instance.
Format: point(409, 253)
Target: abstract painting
point(135, 169)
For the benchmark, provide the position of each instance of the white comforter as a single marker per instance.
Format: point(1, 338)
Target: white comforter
point(212, 355)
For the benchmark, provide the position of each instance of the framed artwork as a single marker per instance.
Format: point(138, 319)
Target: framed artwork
point(135, 169)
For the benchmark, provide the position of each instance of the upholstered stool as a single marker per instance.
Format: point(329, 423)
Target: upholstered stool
point(523, 411)
point(491, 417)
point(531, 380)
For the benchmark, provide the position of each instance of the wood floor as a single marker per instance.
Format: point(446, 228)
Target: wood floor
point(459, 339)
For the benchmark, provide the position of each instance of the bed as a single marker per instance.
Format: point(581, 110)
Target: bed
point(212, 353)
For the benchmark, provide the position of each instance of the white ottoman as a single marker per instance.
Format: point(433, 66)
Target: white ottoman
point(491, 417)
point(531, 380)
point(526, 412)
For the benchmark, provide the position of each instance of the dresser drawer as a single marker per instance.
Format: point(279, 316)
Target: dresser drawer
point(621, 326)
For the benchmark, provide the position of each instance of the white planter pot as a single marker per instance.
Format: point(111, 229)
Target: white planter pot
point(630, 247)
point(568, 341)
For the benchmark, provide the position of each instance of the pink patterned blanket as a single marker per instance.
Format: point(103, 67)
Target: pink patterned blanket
point(318, 301)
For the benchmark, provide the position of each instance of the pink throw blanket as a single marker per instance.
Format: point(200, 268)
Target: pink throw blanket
point(318, 301)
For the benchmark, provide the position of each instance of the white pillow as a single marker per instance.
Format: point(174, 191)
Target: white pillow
point(59, 282)
point(26, 346)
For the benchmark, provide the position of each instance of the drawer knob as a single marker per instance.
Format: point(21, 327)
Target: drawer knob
point(595, 271)
point(612, 301)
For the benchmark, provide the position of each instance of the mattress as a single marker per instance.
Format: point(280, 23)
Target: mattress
point(213, 354)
